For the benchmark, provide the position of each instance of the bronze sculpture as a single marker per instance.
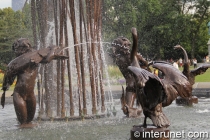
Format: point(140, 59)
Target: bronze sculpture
point(24, 67)
point(191, 74)
point(121, 56)
point(154, 93)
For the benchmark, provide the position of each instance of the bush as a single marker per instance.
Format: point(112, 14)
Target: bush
point(1, 78)
point(1, 81)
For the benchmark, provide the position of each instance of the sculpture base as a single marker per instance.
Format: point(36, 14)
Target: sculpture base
point(71, 118)
point(194, 99)
point(187, 101)
point(149, 133)
point(28, 125)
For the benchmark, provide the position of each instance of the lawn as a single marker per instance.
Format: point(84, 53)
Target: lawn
point(117, 77)
point(114, 72)
point(203, 77)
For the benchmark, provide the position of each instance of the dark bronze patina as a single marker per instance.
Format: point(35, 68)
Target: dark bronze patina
point(121, 56)
point(154, 93)
point(191, 74)
point(24, 68)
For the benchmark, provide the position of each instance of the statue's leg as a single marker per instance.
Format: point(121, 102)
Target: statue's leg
point(31, 107)
point(127, 102)
point(145, 122)
point(20, 108)
point(130, 98)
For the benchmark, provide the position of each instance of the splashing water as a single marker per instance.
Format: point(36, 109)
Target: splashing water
point(84, 44)
point(50, 39)
point(109, 92)
point(107, 75)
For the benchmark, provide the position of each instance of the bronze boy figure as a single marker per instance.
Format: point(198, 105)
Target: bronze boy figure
point(24, 68)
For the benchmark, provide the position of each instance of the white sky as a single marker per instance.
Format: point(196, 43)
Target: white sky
point(5, 3)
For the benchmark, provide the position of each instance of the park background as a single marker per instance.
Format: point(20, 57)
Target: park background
point(161, 25)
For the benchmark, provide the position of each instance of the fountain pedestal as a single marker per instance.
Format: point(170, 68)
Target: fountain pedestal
point(149, 133)
point(187, 101)
point(194, 99)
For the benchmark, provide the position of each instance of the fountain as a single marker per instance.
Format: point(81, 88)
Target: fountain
point(75, 96)
point(75, 87)
point(105, 97)
point(111, 128)
point(79, 80)
point(24, 68)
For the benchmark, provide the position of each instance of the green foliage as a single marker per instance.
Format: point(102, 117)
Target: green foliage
point(115, 75)
point(114, 72)
point(119, 17)
point(13, 25)
point(161, 24)
point(1, 78)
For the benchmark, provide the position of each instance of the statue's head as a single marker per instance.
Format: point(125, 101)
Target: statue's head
point(120, 44)
point(21, 46)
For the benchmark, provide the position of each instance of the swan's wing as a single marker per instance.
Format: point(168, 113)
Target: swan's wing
point(152, 89)
point(174, 81)
point(142, 75)
point(200, 70)
point(166, 68)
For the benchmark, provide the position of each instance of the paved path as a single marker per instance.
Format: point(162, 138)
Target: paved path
point(202, 85)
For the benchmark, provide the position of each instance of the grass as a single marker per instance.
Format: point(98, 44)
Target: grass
point(117, 77)
point(205, 77)
point(115, 73)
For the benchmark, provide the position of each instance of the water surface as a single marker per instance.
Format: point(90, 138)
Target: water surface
point(187, 119)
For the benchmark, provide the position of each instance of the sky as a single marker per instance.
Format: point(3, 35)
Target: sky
point(5, 3)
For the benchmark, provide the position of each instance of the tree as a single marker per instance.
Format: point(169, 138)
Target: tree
point(13, 25)
point(197, 12)
point(118, 18)
point(161, 25)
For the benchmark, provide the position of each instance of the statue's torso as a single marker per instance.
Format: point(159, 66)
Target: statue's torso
point(26, 81)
